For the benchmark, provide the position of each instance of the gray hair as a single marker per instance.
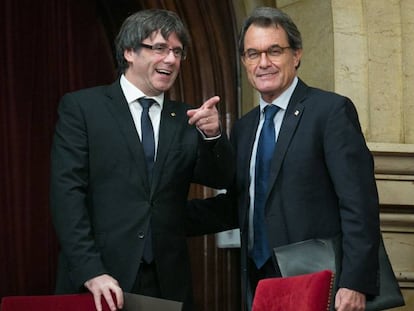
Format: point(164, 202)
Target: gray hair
point(143, 24)
point(267, 17)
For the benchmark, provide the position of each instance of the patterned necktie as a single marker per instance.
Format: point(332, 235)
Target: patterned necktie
point(148, 143)
point(265, 149)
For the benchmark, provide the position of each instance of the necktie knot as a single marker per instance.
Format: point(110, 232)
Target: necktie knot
point(270, 111)
point(146, 103)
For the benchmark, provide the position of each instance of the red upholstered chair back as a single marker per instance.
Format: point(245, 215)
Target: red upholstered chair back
point(75, 302)
point(309, 292)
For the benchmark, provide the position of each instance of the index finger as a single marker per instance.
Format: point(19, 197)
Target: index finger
point(210, 103)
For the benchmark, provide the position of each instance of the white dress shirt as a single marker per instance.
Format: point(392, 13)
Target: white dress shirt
point(282, 102)
point(132, 94)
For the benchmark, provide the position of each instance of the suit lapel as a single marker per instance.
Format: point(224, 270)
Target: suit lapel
point(119, 109)
point(290, 122)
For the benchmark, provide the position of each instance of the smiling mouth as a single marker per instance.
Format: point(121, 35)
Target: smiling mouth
point(267, 74)
point(164, 72)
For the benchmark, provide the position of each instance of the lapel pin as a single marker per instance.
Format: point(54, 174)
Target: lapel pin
point(296, 112)
point(173, 114)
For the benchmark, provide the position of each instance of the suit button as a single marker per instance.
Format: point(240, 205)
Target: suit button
point(141, 235)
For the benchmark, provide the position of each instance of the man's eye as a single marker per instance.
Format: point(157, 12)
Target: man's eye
point(275, 51)
point(159, 48)
point(178, 52)
point(252, 54)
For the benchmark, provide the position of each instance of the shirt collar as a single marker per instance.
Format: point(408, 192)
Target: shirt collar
point(132, 93)
point(281, 101)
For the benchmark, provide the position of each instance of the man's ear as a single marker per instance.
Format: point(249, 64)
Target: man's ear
point(297, 54)
point(129, 54)
point(242, 59)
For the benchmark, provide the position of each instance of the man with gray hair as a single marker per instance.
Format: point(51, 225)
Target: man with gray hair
point(303, 169)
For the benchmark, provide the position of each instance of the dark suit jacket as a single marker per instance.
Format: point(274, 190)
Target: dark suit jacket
point(102, 201)
point(321, 183)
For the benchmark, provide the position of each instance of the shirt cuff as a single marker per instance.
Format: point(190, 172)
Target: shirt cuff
point(208, 138)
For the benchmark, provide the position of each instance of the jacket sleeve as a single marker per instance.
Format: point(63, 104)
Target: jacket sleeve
point(350, 165)
point(215, 166)
point(68, 192)
point(211, 215)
